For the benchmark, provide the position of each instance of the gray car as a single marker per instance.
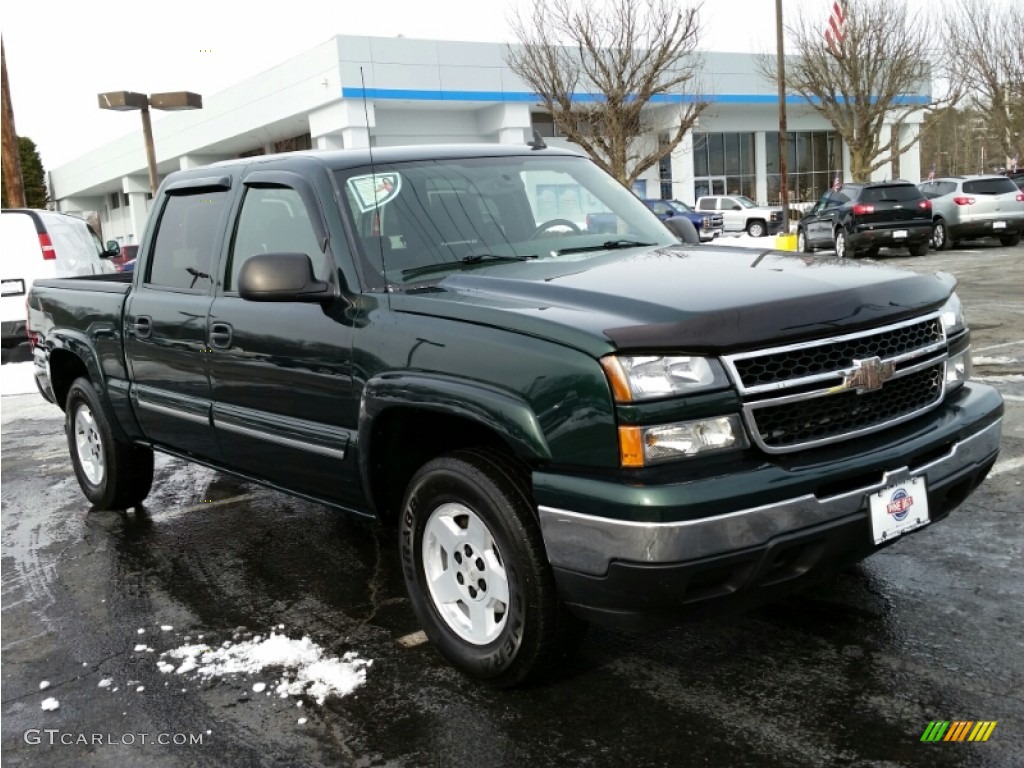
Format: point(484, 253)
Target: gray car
point(971, 207)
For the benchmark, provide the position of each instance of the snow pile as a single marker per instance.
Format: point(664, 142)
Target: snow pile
point(17, 378)
point(306, 669)
point(982, 360)
point(50, 704)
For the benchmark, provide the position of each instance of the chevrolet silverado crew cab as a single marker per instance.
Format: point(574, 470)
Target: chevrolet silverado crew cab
point(741, 214)
point(562, 426)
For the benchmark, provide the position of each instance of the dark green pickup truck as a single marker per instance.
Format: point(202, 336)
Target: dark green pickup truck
point(563, 426)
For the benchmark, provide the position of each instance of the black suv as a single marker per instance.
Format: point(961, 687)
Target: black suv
point(861, 217)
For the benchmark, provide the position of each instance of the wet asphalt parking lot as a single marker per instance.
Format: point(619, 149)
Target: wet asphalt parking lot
point(850, 673)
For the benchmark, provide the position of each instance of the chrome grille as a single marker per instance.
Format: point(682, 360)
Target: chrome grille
point(804, 395)
point(819, 420)
point(799, 362)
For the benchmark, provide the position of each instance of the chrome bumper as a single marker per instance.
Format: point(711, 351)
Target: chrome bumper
point(587, 544)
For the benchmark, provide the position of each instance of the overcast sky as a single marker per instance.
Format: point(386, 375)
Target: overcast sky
point(61, 53)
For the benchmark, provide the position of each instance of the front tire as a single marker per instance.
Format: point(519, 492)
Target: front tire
point(112, 474)
point(476, 570)
point(842, 244)
point(801, 242)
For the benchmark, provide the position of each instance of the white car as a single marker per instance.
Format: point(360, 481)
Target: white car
point(42, 244)
point(741, 214)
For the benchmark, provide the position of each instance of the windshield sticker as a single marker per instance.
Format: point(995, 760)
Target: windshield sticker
point(374, 190)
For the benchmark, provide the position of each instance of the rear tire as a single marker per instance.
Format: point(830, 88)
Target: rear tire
point(919, 249)
point(940, 236)
point(477, 572)
point(757, 228)
point(111, 473)
point(1010, 240)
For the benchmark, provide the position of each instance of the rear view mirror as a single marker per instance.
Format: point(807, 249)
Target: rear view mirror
point(282, 277)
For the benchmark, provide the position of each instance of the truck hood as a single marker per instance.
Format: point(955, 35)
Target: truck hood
point(685, 298)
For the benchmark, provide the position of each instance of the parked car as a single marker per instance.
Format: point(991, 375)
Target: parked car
point(40, 244)
point(973, 207)
point(861, 217)
point(557, 426)
point(125, 258)
point(708, 225)
point(679, 225)
point(1017, 177)
point(741, 214)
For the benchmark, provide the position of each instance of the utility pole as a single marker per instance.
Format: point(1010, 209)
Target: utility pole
point(781, 56)
point(15, 187)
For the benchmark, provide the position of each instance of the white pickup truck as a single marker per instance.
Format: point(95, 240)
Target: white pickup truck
point(741, 214)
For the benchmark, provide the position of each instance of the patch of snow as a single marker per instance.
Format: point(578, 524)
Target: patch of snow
point(982, 360)
point(49, 704)
point(307, 670)
point(999, 379)
point(302, 721)
point(259, 687)
point(140, 689)
point(141, 648)
point(164, 667)
point(18, 378)
point(105, 682)
point(166, 627)
point(44, 685)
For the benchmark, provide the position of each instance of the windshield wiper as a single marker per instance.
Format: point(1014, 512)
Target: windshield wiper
point(607, 245)
point(473, 258)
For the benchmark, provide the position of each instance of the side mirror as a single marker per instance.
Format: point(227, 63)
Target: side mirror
point(737, 208)
point(113, 249)
point(282, 277)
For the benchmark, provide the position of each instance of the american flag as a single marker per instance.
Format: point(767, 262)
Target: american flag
point(837, 183)
point(931, 173)
point(836, 23)
point(1013, 163)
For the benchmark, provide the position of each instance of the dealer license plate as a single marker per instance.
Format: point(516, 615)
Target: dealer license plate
point(898, 509)
point(13, 287)
point(899, 233)
point(998, 225)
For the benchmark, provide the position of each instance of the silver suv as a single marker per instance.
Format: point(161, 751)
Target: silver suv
point(970, 207)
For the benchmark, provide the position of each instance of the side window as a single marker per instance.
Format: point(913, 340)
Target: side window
point(273, 220)
point(662, 209)
point(706, 204)
point(729, 204)
point(183, 254)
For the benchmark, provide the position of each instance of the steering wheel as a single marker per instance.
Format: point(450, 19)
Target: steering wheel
point(555, 223)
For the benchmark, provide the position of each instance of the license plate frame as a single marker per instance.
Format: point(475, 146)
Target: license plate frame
point(898, 509)
point(12, 287)
point(998, 225)
point(899, 234)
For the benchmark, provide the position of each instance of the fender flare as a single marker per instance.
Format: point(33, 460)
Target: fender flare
point(499, 410)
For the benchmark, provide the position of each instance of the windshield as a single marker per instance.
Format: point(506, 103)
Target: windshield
point(679, 207)
point(468, 213)
point(746, 202)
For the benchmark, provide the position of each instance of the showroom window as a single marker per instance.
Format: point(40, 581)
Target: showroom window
point(723, 164)
point(813, 160)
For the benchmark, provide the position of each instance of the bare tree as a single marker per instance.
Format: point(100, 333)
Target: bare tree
point(987, 63)
point(869, 78)
point(597, 70)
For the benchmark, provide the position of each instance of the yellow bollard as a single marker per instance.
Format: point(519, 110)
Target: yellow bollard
point(785, 242)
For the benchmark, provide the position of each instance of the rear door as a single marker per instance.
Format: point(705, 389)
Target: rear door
point(24, 261)
point(892, 206)
point(166, 318)
point(995, 200)
point(733, 214)
point(282, 372)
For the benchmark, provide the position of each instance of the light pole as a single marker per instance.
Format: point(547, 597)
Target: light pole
point(175, 101)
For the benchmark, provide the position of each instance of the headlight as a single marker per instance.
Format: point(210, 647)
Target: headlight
point(958, 369)
point(643, 446)
point(641, 377)
point(953, 316)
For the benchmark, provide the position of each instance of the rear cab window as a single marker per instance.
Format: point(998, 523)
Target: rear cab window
point(183, 256)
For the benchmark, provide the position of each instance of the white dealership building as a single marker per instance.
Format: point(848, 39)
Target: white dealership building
point(431, 91)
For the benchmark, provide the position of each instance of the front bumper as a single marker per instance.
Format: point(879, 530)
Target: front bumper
point(635, 572)
point(707, 235)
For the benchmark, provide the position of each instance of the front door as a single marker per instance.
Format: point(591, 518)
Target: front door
point(165, 322)
point(281, 372)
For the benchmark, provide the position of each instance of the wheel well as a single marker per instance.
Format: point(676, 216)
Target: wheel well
point(404, 439)
point(65, 367)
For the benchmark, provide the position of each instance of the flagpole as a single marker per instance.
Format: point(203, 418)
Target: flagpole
point(780, 55)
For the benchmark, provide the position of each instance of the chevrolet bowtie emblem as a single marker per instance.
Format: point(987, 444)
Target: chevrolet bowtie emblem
point(866, 376)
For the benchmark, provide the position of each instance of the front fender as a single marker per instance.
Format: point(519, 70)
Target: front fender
point(502, 412)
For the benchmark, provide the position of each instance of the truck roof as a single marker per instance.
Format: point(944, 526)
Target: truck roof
point(351, 158)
